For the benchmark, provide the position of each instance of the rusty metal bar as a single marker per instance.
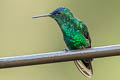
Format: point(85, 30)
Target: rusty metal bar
point(60, 56)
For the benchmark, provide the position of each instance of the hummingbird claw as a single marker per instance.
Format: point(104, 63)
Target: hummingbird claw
point(66, 50)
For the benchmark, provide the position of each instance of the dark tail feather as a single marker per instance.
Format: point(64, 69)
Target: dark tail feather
point(85, 67)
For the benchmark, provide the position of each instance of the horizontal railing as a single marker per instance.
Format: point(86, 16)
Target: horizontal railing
point(60, 56)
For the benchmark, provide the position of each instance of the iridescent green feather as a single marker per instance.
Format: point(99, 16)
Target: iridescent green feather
point(73, 29)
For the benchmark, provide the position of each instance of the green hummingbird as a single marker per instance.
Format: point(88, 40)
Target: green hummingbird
point(75, 34)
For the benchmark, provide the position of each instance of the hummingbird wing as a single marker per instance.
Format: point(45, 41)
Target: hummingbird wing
point(85, 66)
point(85, 32)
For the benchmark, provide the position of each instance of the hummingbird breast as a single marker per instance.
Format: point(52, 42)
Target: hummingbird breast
point(73, 38)
point(75, 42)
point(72, 32)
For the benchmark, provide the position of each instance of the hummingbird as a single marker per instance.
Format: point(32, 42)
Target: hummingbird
point(75, 34)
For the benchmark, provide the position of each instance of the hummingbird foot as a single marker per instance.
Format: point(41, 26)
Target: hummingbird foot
point(66, 49)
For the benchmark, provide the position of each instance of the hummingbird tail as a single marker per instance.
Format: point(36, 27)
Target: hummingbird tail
point(85, 67)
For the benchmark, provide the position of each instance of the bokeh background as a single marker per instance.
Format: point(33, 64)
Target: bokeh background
point(22, 35)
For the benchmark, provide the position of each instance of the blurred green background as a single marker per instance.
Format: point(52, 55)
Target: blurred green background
point(22, 35)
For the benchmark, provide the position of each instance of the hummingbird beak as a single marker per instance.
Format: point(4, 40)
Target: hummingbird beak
point(44, 15)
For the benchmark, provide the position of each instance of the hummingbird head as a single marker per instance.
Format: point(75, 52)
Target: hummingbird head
point(60, 14)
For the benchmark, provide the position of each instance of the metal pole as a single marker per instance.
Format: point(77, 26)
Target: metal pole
point(61, 56)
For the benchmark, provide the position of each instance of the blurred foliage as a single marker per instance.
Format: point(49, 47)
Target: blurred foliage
point(21, 35)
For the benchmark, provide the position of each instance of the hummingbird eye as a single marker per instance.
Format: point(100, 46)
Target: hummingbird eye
point(59, 13)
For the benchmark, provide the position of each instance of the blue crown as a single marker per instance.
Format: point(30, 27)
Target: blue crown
point(56, 11)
